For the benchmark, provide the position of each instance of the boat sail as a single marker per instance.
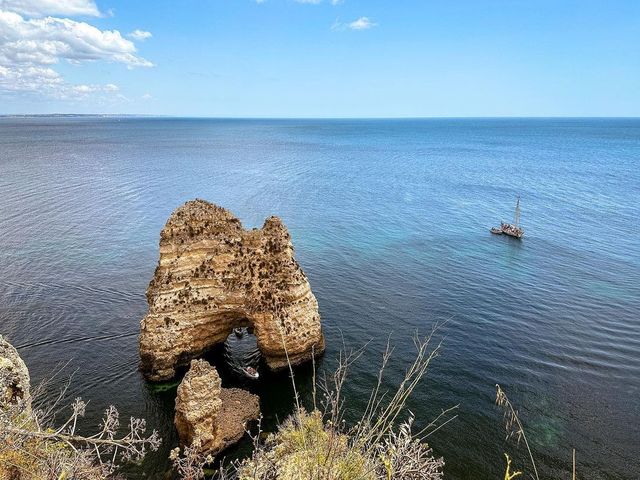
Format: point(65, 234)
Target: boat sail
point(511, 229)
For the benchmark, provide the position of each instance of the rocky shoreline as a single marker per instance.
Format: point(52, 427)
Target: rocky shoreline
point(15, 388)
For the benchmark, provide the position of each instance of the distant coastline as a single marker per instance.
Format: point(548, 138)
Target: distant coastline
point(249, 117)
point(84, 115)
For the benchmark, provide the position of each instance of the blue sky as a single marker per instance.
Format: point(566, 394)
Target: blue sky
point(322, 58)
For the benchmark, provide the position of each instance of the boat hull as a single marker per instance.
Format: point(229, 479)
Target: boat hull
point(514, 235)
point(512, 230)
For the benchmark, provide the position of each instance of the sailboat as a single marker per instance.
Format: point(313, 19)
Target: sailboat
point(511, 229)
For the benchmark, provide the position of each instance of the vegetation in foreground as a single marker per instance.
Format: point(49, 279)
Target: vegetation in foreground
point(314, 444)
point(318, 444)
point(32, 448)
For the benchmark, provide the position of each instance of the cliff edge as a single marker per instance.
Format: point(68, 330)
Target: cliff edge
point(14, 379)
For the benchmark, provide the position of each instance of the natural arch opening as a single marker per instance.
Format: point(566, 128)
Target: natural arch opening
point(214, 276)
point(240, 350)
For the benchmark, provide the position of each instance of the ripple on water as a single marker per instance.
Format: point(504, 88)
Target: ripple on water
point(390, 221)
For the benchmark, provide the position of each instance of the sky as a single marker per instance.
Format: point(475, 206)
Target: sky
point(321, 58)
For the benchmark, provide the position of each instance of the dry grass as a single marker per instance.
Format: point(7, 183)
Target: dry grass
point(318, 445)
point(33, 448)
point(514, 427)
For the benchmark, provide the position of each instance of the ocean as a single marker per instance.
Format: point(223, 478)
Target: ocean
point(390, 220)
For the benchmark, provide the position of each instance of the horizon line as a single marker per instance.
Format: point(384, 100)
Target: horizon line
point(222, 117)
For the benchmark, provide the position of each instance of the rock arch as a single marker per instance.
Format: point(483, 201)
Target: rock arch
point(213, 276)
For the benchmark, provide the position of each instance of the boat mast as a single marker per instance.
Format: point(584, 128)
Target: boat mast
point(517, 215)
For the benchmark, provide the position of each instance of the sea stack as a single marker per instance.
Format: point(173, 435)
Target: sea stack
point(208, 416)
point(214, 276)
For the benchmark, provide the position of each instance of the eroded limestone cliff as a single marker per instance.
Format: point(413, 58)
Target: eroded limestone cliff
point(209, 416)
point(213, 276)
point(14, 378)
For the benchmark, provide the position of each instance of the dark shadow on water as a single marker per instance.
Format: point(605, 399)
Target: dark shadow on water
point(274, 389)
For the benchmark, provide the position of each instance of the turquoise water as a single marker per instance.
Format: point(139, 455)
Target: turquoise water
point(390, 220)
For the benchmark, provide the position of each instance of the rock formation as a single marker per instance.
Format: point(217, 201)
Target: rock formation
point(213, 276)
point(209, 415)
point(14, 378)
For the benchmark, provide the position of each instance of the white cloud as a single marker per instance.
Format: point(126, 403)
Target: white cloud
point(86, 89)
point(37, 8)
point(362, 23)
point(314, 2)
point(336, 2)
point(48, 82)
point(140, 35)
point(31, 47)
point(47, 40)
point(147, 96)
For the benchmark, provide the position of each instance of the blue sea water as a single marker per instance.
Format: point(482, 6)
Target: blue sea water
point(390, 220)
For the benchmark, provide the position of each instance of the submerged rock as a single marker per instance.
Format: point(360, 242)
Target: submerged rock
point(209, 416)
point(14, 379)
point(213, 276)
